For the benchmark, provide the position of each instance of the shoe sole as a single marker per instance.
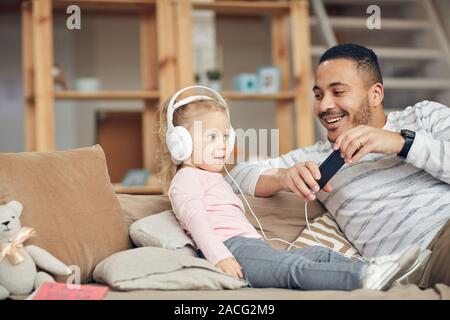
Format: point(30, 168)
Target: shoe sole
point(406, 260)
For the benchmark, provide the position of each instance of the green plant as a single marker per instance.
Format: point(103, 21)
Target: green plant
point(213, 74)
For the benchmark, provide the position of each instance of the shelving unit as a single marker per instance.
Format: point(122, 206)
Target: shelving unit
point(296, 96)
point(244, 7)
point(107, 95)
point(166, 59)
point(280, 96)
point(152, 187)
point(158, 68)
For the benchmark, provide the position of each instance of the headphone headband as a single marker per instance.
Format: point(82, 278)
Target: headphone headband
point(178, 139)
point(173, 106)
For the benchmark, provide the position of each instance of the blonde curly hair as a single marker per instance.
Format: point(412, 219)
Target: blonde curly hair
point(181, 117)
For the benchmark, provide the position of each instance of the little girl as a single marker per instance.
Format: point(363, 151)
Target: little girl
point(198, 139)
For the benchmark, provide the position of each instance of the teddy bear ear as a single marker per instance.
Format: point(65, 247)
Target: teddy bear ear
point(16, 206)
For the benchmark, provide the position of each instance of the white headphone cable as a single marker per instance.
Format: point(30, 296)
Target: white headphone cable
point(323, 244)
point(254, 215)
point(284, 241)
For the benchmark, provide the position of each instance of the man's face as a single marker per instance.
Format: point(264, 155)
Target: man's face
point(341, 97)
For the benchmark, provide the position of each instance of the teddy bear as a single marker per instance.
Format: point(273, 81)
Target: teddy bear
point(18, 263)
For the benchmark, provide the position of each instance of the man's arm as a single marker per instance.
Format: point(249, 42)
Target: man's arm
point(265, 178)
point(269, 182)
point(432, 154)
point(261, 178)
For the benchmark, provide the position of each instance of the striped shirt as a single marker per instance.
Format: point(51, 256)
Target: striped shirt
point(383, 203)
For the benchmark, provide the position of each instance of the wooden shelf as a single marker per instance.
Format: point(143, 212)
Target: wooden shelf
point(118, 188)
point(165, 33)
point(107, 2)
point(107, 6)
point(142, 95)
point(152, 187)
point(107, 95)
point(284, 95)
point(244, 8)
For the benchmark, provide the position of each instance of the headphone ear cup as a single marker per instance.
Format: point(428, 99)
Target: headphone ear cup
point(179, 143)
point(231, 141)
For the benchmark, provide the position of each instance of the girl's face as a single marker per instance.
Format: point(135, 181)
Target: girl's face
point(210, 135)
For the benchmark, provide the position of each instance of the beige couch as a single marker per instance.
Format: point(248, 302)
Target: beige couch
point(281, 216)
point(69, 200)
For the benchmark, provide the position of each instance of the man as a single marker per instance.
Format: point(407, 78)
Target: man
point(394, 189)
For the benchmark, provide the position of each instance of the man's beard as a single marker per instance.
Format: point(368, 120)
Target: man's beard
point(363, 116)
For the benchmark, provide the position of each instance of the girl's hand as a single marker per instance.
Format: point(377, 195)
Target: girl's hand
point(231, 267)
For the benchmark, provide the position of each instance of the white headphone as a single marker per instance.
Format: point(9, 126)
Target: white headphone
point(178, 139)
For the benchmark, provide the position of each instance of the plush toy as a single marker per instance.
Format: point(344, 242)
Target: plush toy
point(18, 272)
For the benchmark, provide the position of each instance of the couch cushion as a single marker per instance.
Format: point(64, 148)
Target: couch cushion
point(162, 230)
point(136, 207)
point(281, 216)
point(69, 200)
point(162, 269)
point(325, 231)
point(410, 292)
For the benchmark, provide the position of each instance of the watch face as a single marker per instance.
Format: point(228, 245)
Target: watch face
point(408, 133)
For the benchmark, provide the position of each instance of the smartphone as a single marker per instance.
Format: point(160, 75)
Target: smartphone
point(329, 167)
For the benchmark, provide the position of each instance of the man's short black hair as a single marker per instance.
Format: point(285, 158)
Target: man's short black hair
point(365, 59)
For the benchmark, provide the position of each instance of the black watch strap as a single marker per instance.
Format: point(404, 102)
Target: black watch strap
point(409, 136)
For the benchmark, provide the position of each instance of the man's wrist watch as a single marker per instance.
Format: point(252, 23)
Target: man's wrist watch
point(409, 136)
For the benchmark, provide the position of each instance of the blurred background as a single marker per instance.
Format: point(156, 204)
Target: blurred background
point(230, 45)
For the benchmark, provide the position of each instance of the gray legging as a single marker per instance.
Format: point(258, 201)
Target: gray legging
point(313, 268)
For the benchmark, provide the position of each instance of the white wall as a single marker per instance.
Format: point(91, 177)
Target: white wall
point(444, 12)
point(11, 93)
point(11, 101)
point(107, 48)
point(65, 111)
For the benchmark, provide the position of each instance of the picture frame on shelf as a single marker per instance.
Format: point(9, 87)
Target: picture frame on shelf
point(246, 83)
point(268, 79)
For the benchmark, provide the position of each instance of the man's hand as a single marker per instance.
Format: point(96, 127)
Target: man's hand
point(359, 141)
point(231, 266)
point(302, 180)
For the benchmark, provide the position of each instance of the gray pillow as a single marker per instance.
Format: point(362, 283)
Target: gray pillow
point(161, 269)
point(162, 230)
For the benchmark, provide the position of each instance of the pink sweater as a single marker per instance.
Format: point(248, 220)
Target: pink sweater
point(207, 208)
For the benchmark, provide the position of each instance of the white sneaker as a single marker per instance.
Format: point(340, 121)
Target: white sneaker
point(383, 271)
point(414, 274)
